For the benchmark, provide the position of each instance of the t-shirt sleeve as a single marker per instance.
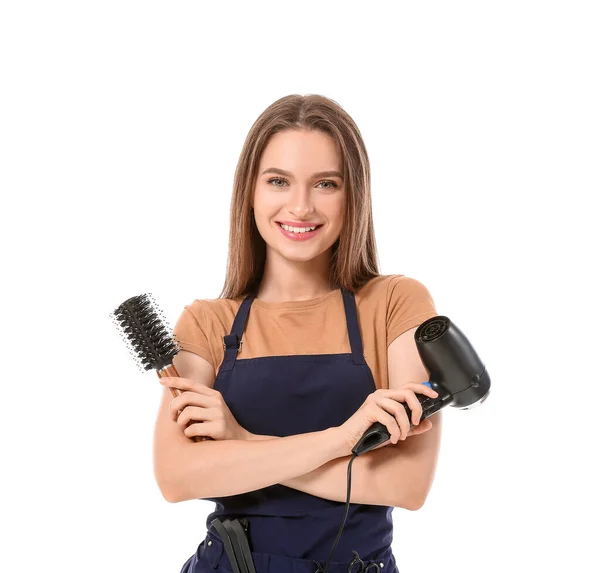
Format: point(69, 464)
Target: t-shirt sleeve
point(409, 303)
point(191, 330)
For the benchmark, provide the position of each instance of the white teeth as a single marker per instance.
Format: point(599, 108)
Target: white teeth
point(297, 229)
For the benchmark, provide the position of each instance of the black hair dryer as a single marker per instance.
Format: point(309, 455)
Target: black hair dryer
point(455, 372)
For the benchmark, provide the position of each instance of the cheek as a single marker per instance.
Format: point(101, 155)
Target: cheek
point(260, 219)
point(266, 204)
point(336, 214)
point(264, 214)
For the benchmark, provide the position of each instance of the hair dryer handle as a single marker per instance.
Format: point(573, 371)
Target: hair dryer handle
point(378, 433)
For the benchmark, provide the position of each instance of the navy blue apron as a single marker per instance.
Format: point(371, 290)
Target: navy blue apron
point(291, 531)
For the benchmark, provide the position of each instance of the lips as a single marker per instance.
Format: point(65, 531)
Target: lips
point(299, 236)
point(299, 224)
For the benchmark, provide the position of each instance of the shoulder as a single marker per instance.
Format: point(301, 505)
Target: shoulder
point(209, 311)
point(202, 324)
point(395, 303)
point(399, 286)
point(388, 288)
point(408, 304)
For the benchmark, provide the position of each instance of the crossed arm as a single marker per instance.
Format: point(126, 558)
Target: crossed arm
point(398, 475)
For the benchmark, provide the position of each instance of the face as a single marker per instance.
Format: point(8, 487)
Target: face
point(299, 186)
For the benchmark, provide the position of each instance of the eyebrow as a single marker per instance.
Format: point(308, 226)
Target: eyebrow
point(288, 174)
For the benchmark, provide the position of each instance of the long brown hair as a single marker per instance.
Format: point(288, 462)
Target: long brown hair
point(354, 255)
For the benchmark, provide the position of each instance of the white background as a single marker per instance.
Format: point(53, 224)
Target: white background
point(121, 124)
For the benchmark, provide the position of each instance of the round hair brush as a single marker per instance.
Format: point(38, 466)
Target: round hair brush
point(144, 329)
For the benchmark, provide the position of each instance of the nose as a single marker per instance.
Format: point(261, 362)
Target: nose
point(301, 203)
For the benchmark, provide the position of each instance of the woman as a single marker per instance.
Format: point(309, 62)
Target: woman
point(310, 346)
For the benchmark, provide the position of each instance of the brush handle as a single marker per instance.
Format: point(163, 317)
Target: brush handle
point(171, 371)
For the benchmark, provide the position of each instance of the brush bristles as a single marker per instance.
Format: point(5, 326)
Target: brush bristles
point(145, 330)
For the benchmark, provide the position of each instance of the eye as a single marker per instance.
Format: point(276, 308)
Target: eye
point(334, 185)
point(276, 179)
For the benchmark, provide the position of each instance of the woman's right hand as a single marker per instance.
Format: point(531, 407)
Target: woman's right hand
point(386, 406)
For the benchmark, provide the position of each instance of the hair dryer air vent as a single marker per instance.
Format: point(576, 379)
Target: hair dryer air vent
point(433, 329)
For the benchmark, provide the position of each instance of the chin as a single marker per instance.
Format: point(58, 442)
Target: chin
point(300, 253)
point(292, 255)
point(305, 259)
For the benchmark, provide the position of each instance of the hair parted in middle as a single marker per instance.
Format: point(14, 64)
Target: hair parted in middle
point(354, 255)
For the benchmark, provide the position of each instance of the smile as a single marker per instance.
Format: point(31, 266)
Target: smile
point(298, 233)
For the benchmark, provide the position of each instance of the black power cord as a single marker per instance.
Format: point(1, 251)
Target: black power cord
point(356, 557)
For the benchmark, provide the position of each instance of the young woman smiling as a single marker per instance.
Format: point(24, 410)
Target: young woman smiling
point(305, 348)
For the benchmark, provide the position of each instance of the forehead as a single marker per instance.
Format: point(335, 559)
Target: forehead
point(301, 151)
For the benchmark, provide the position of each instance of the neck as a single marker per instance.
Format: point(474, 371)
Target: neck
point(285, 280)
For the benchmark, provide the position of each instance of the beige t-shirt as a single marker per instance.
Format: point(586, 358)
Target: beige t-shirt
point(387, 306)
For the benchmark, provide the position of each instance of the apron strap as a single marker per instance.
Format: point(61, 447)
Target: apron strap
point(353, 328)
point(232, 343)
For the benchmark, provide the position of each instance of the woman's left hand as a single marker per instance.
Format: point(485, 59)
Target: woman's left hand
point(205, 408)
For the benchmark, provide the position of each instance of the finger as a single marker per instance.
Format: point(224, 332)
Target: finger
point(185, 399)
point(415, 407)
point(176, 405)
point(390, 423)
point(413, 387)
point(421, 428)
point(424, 389)
point(191, 413)
point(183, 384)
point(394, 405)
point(402, 418)
point(174, 382)
point(398, 413)
point(199, 429)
